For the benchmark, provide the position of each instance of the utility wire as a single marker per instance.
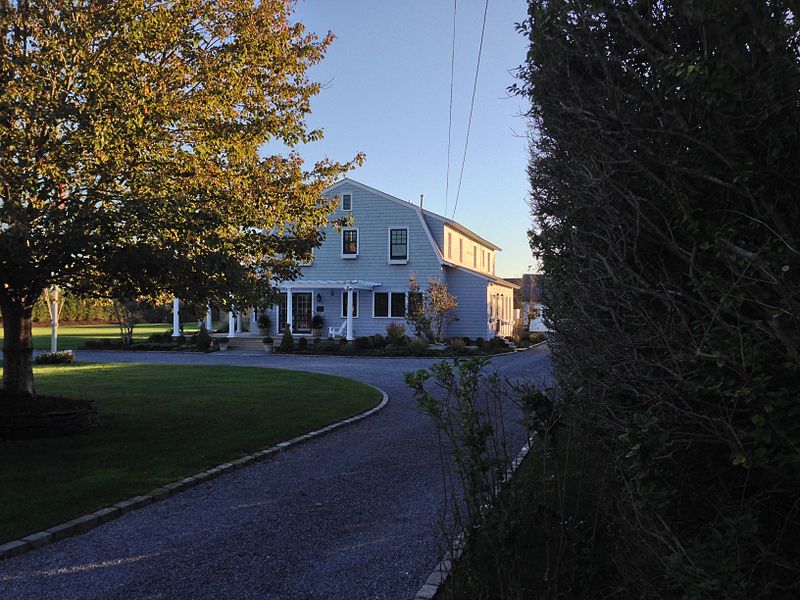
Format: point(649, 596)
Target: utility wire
point(450, 120)
point(471, 107)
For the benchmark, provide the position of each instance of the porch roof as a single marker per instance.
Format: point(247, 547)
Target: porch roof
point(356, 284)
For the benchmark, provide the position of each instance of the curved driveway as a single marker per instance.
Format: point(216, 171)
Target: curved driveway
point(351, 515)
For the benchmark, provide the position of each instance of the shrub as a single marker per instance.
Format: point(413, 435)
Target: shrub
point(202, 340)
point(456, 345)
point(497, 343)
point(395, 332)
point(377, 341)
point(268, 340)
point(480, 342)
point(513, 338)
point(287, 341)
point(329, 345)
point(467, 341)
point(55, 358)
point(302, 344)
point(342, 342)
point(160, 338)
point(264, 321)
point(362, 343)
point(316, 343)
point(418, 346)
point(317, 321)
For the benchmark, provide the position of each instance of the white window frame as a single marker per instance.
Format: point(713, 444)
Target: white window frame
point(351, 203)
point(389, 303)
point(397, 261)
point(355, 303)
point(358, 243)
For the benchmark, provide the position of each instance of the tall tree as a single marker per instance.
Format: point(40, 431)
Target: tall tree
point(665, 184)
point(129, 153)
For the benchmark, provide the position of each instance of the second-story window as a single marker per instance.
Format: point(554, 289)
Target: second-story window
point(347, 202)
point(349, 243)
point(474, 256)
point(398, 244)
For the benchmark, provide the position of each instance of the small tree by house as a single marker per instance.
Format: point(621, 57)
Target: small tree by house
point(431, 311)
point(441, 306)
point(127, 314)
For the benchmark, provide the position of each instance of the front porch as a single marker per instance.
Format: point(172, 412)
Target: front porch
point(300, 301)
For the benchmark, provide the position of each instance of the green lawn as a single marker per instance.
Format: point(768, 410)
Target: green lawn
point(160, 423)
point(72, 338)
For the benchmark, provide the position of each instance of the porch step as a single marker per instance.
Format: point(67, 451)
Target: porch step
point(246, 342)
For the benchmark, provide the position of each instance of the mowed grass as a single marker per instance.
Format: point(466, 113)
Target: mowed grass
point(160, 423)
point(74, 337)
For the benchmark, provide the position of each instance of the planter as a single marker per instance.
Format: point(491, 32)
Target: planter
point(267, 348)
point(223, 346)
point(264, 331)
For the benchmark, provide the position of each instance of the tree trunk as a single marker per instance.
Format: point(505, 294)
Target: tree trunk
point(17, 347)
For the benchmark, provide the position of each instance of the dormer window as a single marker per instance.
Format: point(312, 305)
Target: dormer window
point(347, 202)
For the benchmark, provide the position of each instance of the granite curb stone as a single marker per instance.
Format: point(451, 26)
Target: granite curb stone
point(104, 515)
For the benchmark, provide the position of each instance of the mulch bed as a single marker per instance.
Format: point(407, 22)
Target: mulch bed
point(25, 417)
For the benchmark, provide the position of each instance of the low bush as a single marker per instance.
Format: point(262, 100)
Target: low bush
point(456, 345)
point(497, 343)
point(302, 344)
point(362, 343)
point(55, 358)
point(480, 342)
point(467, 341)
point(377, 341)
point(395, 332)
point(287, 341)
point(202, 340)
point(160, 338)
point(418, 346)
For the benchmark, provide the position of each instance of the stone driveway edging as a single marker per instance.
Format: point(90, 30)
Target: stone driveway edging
point(84, 523)
point(442, 571)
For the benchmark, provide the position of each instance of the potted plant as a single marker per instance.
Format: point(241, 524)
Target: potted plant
point(264, 323)
point(223, 343)
point(316, 325)
point(268, 343)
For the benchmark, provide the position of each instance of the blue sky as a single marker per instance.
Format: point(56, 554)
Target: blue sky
point(386, 93)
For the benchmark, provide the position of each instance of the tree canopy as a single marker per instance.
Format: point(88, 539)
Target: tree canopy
point(130, 163)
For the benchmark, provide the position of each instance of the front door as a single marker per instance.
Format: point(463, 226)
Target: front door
point(301, 312)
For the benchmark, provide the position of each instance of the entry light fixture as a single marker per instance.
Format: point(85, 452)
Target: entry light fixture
point(319, 297)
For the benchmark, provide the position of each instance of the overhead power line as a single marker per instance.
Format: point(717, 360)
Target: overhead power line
point(450, 119)
point(471, 108)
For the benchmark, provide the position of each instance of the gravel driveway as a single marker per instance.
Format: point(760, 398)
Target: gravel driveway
point(351, 515)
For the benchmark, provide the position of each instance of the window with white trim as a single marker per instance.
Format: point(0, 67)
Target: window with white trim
point(344, 304)
point(349, 242)
point(389, 304)
point(347, 202)
point(398, 244)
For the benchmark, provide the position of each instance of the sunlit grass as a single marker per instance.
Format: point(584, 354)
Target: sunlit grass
point(160, 423)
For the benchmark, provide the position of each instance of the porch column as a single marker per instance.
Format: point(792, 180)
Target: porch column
point(54, 310)
point(209, 321)
point(289, 318)
point(239, 322)
point(231, 324)
point(253, 322)
point(176, 317)
point(349, 314)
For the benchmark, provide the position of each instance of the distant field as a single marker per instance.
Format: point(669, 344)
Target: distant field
point(72, 338)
